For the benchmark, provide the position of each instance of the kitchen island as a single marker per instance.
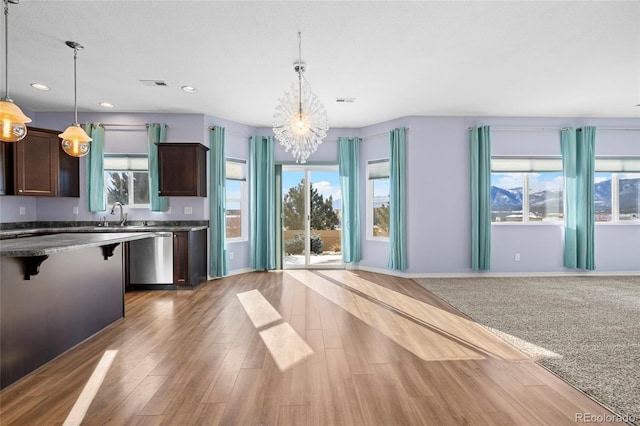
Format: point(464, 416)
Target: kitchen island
point(56, 291)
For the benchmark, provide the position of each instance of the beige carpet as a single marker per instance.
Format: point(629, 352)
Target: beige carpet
point(584, 329)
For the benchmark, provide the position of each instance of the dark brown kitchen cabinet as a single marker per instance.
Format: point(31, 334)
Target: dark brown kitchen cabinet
point(6, 168)
point(37, 166)
point(182, 169)
point(189, 258)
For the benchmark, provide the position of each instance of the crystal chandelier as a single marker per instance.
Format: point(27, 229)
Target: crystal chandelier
point(300, 120)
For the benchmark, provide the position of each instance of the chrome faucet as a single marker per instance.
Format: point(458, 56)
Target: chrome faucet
point(123, 215)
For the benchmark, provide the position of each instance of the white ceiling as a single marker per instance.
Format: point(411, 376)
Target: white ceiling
point(524, 58)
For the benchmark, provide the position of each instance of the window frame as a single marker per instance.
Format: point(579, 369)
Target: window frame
point(370, 199)
point(244, 200)
point(527, 166)
point(615, 202)
point(615, 165)
point(129, 172)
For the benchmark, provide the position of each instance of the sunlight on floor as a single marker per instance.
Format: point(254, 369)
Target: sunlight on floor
point(423, 329)
point(286, 346)
point(534, 351)
point(77, 413)
point(260, 311)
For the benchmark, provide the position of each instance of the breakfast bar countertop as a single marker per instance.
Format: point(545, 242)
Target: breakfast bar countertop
point(44, 245)
point(8, 231)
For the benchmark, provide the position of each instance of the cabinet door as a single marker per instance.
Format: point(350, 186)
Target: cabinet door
point(182, 170)
point(6, 168)
point(37, 164)
point(181, 258)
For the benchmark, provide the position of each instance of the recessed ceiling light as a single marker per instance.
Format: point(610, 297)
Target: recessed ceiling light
point(189, 89)
point(40, 86)
point(105, 104)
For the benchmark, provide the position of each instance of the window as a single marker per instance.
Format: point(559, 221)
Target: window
point(236, 201)
point(617, 190)
point(378, 199)
point(126, 179)
point(527, 190)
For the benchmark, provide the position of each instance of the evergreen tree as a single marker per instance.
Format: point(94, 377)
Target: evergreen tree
point(322, 214)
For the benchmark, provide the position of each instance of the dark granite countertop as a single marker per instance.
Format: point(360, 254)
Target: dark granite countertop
point(48, 244)
point(38, 228)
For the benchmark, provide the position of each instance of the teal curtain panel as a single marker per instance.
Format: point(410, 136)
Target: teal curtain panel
point(578, 165)
point(95, 168)
point(349, 167)
point(217, 204)
point(156, 133)
point(480, 198)
point(397, 202)
point(262, 193)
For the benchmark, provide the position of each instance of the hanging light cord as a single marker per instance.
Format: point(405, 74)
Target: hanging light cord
point(75, 85)
point(6, 50)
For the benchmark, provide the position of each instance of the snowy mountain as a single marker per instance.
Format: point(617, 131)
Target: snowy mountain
point(508, 202)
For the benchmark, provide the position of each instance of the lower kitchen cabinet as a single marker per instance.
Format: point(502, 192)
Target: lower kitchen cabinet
point(170, 260)
point(189, 258)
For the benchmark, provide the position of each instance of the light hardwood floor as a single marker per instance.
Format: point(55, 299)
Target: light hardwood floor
point(344, 347)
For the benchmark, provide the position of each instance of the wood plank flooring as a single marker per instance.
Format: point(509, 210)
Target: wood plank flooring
point(383, 351)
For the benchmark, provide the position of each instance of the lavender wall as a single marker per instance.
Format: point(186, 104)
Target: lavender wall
point(121, 139)
point(236, 146)
point(437, 194)
point(438, 197)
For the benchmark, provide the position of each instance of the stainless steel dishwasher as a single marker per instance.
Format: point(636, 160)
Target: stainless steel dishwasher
point(151, 261)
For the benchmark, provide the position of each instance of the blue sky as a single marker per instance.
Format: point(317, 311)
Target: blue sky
point(326, 182)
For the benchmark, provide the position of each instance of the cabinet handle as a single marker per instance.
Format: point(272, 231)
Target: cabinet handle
point(19, 190)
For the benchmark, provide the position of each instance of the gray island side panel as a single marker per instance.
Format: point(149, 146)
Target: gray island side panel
point(76, 294)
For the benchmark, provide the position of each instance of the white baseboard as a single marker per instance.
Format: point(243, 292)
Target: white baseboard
point(356, 267)
point(391, 272)
point(234, 272)
point(523, 274)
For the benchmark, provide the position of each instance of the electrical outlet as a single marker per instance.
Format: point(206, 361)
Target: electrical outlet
point(23, 211)
point(230, 255)
point(517, 257)
point(76, 210)
point(188, 210)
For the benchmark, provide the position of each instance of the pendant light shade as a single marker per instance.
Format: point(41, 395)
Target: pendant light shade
point(12, 119)
point(75, 140)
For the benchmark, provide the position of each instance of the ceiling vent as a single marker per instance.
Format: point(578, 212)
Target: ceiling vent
point(346, 100)
point(160, 83)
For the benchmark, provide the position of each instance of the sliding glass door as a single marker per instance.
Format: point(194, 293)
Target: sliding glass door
point(311, 207)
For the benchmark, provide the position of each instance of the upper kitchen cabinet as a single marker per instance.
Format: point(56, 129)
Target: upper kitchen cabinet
point(182, 169)
point(37, 166)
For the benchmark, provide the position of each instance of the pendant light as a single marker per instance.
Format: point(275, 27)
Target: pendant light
point(12, 119)
point(75, 140)
point(300, 120)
